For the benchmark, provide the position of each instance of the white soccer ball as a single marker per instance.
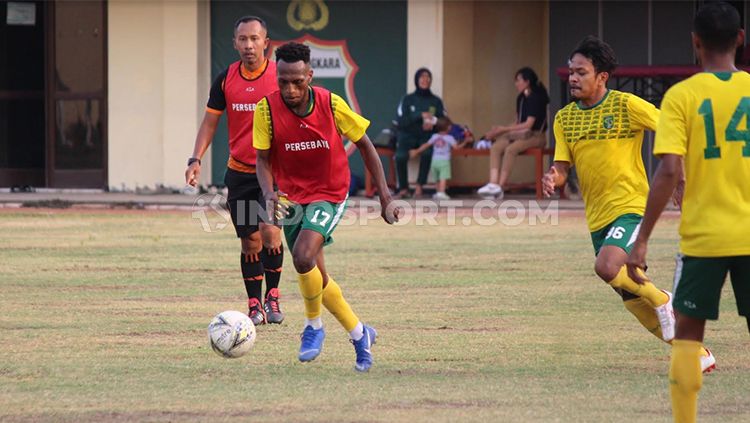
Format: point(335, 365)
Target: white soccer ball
point(231, 334)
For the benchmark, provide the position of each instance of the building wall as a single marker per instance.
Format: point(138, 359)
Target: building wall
point(569, 22)
point(157, 72)
point(485, 43)
point(172, 38)
point(672, 22)
point(204, 79)
point(160, 66)
point(425, 25)
point(641, 32)
point(459, 61)
point(424, 48)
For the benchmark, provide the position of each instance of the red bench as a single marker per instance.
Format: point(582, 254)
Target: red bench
point(539, 166)
point(537, 153)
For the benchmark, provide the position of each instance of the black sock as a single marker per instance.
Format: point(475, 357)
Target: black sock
point(252, 273)
point(272, 260)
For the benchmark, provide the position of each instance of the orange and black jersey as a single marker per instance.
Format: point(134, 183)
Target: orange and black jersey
point(237, 91)
point(217, 101)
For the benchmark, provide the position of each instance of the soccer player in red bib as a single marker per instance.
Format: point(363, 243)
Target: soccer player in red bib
point(298, 136)
point(237, 90)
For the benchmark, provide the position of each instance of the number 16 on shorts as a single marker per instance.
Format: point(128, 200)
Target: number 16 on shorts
point(615, 232)
point(622, 233)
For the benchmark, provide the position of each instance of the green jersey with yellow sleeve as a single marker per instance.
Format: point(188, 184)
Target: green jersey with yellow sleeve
point(604, 144)
point(706, 119)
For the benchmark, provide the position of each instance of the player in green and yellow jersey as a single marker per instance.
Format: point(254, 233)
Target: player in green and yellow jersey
point(706, 122)
point(601, 134)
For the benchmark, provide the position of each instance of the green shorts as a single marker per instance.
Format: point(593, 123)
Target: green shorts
point(321, 217)
point(621, 233)
point(698, 282)
point(441, 169)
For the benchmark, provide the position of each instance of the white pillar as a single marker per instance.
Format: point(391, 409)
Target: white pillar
point(159, 70)
point(425, 42)
point(181, 95)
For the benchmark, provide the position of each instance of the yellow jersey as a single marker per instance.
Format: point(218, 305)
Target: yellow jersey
point(348, 123)
point(706, 119)
point(604, 144)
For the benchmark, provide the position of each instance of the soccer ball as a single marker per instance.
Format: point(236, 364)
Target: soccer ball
point(231, 334)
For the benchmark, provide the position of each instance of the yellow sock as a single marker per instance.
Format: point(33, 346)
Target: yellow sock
point(311, 287)
point(685, 380)
point(334, 302)
point(642, 310)
point(648, 290)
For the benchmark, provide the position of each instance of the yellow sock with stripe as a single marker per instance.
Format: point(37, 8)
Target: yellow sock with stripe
point(334, 301)
point(311, 288)
point(685, 380)
point(642, 310)
point(648, 290)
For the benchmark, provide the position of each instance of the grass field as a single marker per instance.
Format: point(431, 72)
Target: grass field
point(103, 317)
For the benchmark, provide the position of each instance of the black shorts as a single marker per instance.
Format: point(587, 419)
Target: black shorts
point(245, 201)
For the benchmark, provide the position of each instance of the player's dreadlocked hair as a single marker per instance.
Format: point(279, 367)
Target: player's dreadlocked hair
point(293, 52)
point(599, 52)
point(717, 25)
point(250, 18)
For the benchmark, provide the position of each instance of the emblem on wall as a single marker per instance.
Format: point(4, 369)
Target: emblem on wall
point(307, 14)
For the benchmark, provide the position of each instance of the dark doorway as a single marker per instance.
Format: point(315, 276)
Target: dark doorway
point(53, 85)
point(77, 80)
point(22, 94)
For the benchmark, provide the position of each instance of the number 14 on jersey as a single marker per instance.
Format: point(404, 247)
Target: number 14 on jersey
point(732, 131)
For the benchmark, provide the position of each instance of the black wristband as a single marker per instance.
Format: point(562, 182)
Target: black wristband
point(193, 160)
